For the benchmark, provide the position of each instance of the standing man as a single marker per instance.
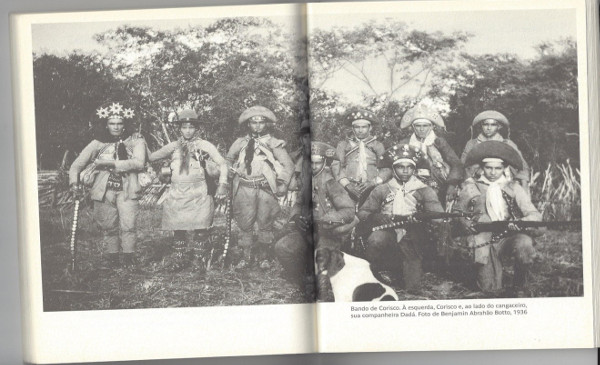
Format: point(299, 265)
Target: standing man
point(332, 215)
point(442, 169)
point(356, 167)
point(403, 195)
point(115, 190)
point(491, 122)
point(496, 198)
point(263, 170)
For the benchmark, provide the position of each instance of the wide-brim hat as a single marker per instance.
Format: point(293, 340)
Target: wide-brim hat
point(398, 153)
point(186, 116)
point(257, 111)
point(494, 149)
point(358, 114)
point(490, 114)
point(323, 149)
point(421, 112)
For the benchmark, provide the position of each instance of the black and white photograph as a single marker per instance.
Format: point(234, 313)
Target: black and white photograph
point(456, 136)
point(166, 156)
point(250, 160)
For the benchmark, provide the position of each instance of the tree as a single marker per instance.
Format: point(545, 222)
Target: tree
point(539, 97)
point(67, 92)
point(408, 57)
point(219, 70)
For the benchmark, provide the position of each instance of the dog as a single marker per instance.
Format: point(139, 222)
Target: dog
point(351, 277)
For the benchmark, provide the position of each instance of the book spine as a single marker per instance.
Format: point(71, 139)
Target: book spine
point(26, 226)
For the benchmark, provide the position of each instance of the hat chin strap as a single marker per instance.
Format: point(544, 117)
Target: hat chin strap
point(319, 172)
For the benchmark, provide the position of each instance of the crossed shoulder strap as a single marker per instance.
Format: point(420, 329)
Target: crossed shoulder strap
point(367, 142)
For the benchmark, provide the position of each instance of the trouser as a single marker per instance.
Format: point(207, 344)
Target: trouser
point(384, 253)
point(520, 247)
point(255, 205)
point(113, 214)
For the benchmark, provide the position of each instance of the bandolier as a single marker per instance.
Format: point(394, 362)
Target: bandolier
point(495, 198)
point(262, 172)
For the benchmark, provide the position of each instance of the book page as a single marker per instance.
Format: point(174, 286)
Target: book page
point(479, 234)
point(148, 224)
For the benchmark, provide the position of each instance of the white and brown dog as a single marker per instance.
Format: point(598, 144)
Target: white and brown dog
point(351, 277)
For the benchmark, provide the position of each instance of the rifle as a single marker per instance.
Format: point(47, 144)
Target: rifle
point(330, 222)
point(502, 226)
point(228, 220)
point(419, 217)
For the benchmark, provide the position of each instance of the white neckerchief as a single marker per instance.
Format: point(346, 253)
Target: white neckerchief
point(404, 201)
point(496, 206)
point(429, 150)
point(361, 173)
point(427, 141)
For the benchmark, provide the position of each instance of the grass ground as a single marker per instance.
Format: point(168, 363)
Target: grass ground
point(558, 272)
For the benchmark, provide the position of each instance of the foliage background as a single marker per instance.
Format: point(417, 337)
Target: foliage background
point(219, 70)
point(223, 67)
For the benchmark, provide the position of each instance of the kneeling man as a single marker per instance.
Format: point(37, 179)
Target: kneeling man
point(403, 195)
point(496, 198)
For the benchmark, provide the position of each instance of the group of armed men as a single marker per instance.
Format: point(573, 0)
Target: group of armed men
point(358, 197)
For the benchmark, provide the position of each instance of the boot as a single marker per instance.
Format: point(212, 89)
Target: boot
point(202, 250)
point(179, 259)
point(248, 259)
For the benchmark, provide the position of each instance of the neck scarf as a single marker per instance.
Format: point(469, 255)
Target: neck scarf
point(362, 161)
point(187, 148)
point(427, 147)
point(404, 200)
point(254, 143)
point(495, 205)
point(120, 150)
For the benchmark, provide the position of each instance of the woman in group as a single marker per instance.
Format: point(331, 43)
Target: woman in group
point(188, 205)
point(112, 162)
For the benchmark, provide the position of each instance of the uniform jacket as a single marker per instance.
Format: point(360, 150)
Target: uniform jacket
point(382, 197)
point(472, 198)
point(456, 173)
point(330, 202)
point(347, 166)
point(522, 175)
point(271, 161)
point(136, 151)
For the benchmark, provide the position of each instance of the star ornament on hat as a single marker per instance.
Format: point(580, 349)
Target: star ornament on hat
point(401, 153)
point(114, 111)
point(361, 114)
point(421, 112)
point(494, 151)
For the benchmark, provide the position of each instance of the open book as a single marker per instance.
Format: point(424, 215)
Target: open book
point(346, 177)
